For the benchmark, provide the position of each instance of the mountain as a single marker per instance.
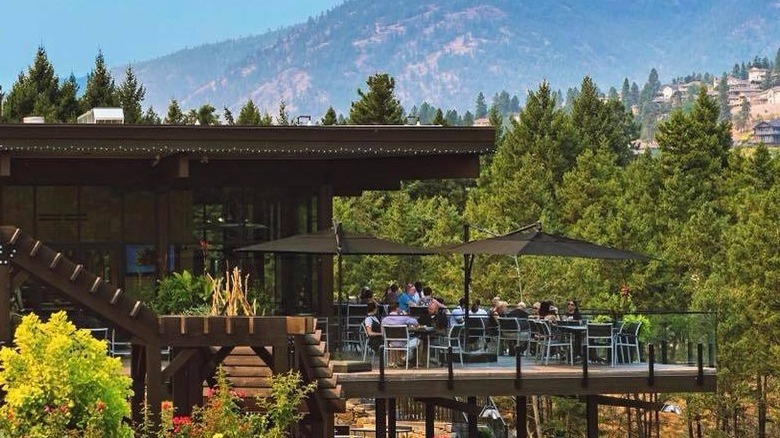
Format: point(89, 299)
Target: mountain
point(446, 51)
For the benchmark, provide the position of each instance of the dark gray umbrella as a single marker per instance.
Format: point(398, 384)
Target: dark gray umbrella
point(531, 241)
point(335, 241)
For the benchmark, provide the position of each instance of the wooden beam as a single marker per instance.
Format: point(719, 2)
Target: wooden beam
point(138, 375)
point(154, 384)
point(521, 416)
point(450, 403)
point(628, 403)
point(216, 358)
point(592, 416)
point(265, 356)
point(178, 361)
point(5, 301)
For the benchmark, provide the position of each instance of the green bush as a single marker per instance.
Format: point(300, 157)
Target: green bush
point(60, 382)
point(182, 293)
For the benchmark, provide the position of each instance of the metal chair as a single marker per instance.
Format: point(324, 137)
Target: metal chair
point(356, 314)
point(552, 338)
point(508, 330)
point(396, 338)
point(119, 347)
point(451, 339)
point(475, 330)
point(600, 337)
point(365, 343)
point(627, 340)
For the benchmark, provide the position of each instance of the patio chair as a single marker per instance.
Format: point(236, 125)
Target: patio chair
point(365, 344)
point(627, 340)
point(475, 327)
point(356, 314)
point(552, 338)
point(118, 347)
point(600, 337)
point(396, 338)
point(443, 343)
point(508, 330)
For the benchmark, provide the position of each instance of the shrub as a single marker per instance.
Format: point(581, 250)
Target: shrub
point(60, 381)
point(181, 293)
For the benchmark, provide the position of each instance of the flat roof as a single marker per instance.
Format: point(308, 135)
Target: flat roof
point(251, 142)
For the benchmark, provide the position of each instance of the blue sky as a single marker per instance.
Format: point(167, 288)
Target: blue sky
point(129, 31)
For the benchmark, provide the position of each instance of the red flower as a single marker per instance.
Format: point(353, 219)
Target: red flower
point(101, 405)
point(179, 421)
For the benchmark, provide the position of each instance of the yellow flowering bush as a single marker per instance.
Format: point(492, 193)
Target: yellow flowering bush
point(59, 381)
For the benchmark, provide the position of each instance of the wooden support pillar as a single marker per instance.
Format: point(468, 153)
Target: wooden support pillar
point(162, 202)
point(391, 419)
point(430, 417)
point(380, 408)
point(281, 358)
point(472, 417)
point(592, 416)
point(138, 375)
point(153, 383)
point(188, 382)
point(5, 298)
point(521, 416)
point(325, 221)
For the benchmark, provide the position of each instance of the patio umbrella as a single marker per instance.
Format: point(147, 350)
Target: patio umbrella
point(335, 241)
point(530, 240)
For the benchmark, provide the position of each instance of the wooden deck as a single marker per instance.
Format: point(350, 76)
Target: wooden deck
point(500, 378)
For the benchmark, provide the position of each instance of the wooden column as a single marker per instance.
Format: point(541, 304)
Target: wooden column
point(472, 417)
point(430, 417)
point(138, 374)
point(521, 416)
point(391, 420)
point(5, 297)
point(162, 201)
point(153, 383)
point(592, 416)
point(380, 408)
point(281, 358)
point(325, 221)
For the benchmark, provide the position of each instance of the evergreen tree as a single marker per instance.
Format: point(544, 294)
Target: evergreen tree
point(426, 114)
point(378, 105)
point(283, 119)
point(452, 118)
point(150, 117)
point(743, 118)
point(515, 105)
point(228, 116)
point(249, 114)
point(496, 119)
point(330, 117)
point(191, 118)
point(131, 93)
point(651, 88)
point(438, 119)
point(481, 109)
point(743, 71)
point(468, 119)
point(207, 115)
point(625, 93)
point(100, 90)
point(777, 61)
point(613, 94)
point(735, 71)
point(723, 99)
point(2, 100)
point(34, 93)
point(175, 115)
point(68, 102)
point(634, 95)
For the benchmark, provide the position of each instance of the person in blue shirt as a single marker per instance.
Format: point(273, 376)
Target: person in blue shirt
point(410, 297)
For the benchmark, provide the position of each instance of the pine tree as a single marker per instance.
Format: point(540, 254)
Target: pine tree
point(68, 102)
point(634, 95)
point(150, 117)
point(131, 93)
point(723, 99)
point(37, 90)
point(378, 105)
point(175, 115)
point(228, 116)
point(743, 118)
point(777, 61)
point(207, 115)
point(481, 109)
point(625, 93)
point(249, 114)
point(100, 90)
point(613, 94)
point(468, 119)
point(283, 119)
point(330, 117)
point(438, 119)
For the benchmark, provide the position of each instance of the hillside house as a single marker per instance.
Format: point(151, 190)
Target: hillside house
point(757, 75)
point(767, 132)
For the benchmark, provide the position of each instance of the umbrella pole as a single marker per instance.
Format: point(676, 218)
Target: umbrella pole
point(467, 258)
point(341, 301)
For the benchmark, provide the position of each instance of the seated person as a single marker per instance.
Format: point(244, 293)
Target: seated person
point(396, 317)
point(373, 327)
point(519, 311)
point(476, 310)
point(439, 314)
point(572, 311)
point(458, 314)
point(408, 298)
point(366, 295)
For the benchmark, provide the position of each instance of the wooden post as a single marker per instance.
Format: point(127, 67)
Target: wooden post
point(391, 411)
point(592, 416)
point(5, 298)
point(472, 418)
point(325, 221)
point(430, 417)
point(521, 416)
point(153, 383)
point(162, 200)
point(138, 374)
point(281, 358)
point(380, 408)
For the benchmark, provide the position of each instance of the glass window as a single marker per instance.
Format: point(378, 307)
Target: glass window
point(101, 214)
point(140, 219)
point(57, 213)
point(17, 207)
